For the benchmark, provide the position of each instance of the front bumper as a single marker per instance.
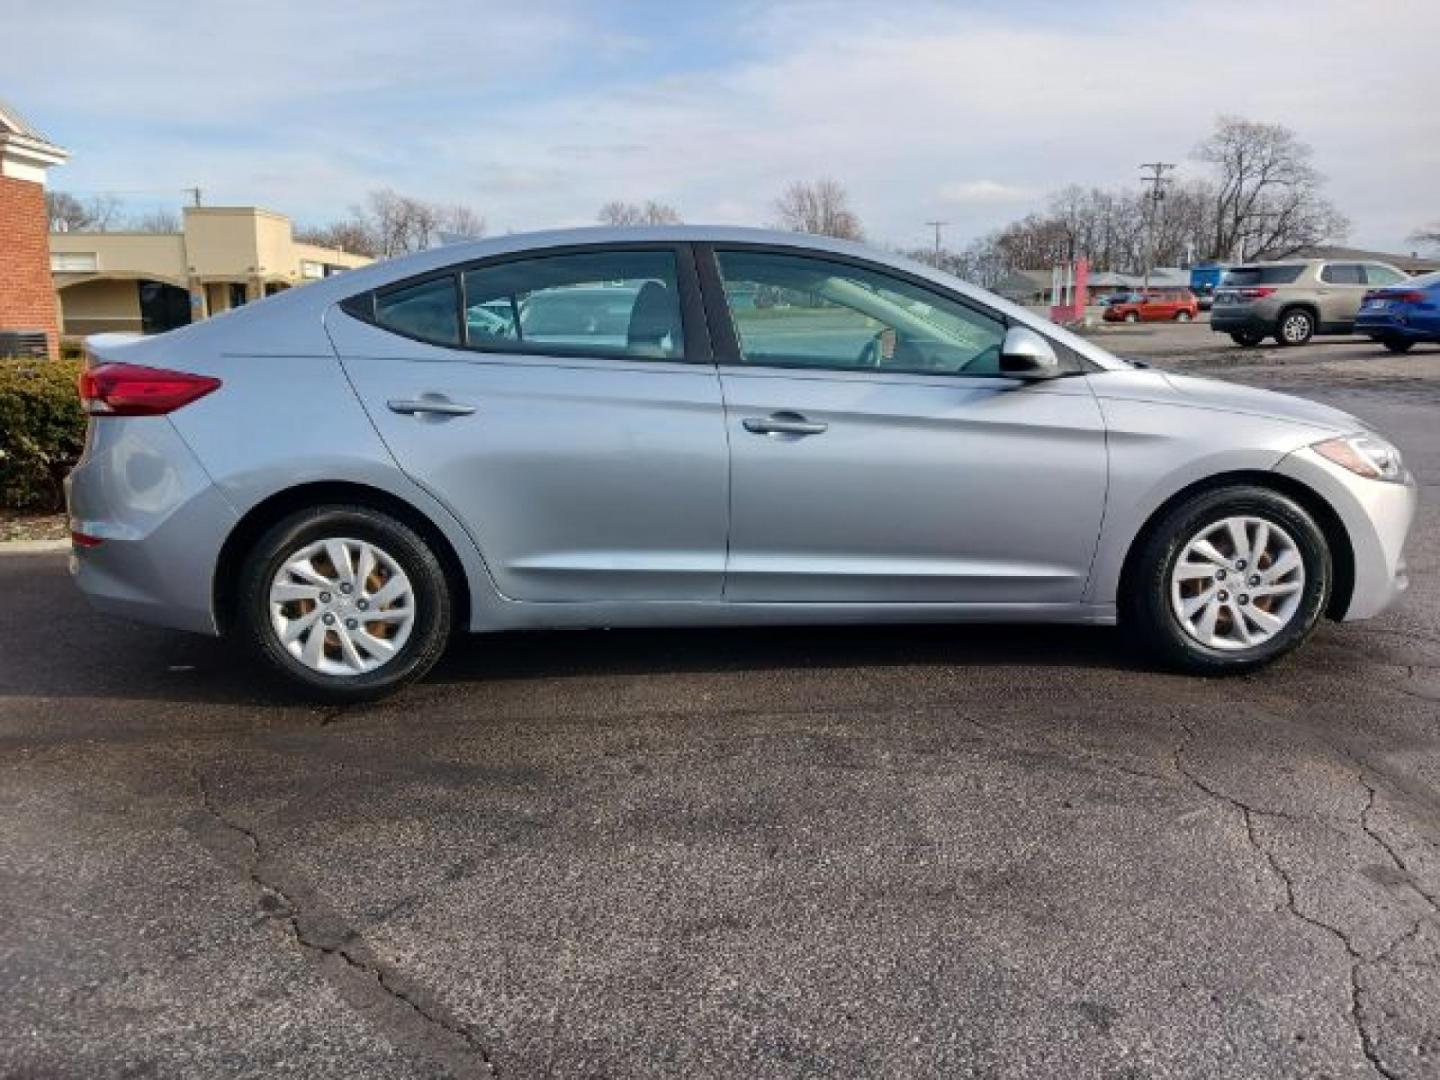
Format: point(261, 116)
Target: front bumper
point(1377, 516)
point(140, 490)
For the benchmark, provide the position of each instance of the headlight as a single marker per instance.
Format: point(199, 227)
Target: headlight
point(1365, 455)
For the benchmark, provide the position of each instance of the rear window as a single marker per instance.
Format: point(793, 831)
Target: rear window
point(1244, 276)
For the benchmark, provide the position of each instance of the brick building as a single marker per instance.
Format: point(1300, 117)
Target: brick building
point(29, 319)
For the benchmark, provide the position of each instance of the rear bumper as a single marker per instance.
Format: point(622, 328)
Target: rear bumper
point(140, 490)
point(1388, 326)
point(1226, 320)
point(1377, 517)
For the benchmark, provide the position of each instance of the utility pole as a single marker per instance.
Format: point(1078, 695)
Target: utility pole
point(1153, 173)
point(937, 226)
point(194, 194)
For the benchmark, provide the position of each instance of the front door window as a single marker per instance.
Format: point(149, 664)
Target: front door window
point(806, 312)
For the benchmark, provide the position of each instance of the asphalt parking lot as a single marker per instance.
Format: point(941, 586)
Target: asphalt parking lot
point(973, 851)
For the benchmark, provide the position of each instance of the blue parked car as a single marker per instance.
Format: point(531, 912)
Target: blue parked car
point(1398, 316)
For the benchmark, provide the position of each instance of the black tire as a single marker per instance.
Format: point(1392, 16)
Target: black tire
point(1397, 345)
point(1248, 338)
point(1144, 603)
point(429, 631)
point(1296, 326)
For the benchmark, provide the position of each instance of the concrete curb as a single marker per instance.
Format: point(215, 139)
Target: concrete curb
point(33, 547)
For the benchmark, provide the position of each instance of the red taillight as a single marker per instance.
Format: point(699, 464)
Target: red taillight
point(85, 540)
point(1409, 297)
point(131, 390)
point(1257, 293)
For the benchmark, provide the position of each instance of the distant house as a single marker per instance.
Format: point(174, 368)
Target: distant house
point(222, 257)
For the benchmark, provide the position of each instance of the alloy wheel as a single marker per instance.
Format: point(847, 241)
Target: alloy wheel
point(1237, 583)
point(342, 606)
point(1296, 328)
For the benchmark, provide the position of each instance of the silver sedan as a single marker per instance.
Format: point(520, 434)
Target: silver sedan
point(697, 426)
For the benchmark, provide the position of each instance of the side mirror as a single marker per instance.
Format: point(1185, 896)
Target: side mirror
point(1027, 355)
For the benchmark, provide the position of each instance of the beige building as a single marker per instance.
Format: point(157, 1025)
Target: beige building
point(223, 257)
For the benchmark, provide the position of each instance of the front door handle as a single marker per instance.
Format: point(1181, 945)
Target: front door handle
point(783, 423)
point(435, 406)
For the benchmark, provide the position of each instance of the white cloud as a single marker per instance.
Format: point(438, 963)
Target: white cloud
point(985, 193)
point(921, 109)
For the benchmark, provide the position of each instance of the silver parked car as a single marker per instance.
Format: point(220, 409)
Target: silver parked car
point(690, 426)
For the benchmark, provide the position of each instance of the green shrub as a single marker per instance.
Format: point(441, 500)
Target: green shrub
point(42, 431)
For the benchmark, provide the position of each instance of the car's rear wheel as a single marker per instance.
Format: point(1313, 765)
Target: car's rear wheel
point(1397, 345)
point(1296, 327)
point(346, 602)
point(1228, 581)
point(1248, 338)
point(1132, 316)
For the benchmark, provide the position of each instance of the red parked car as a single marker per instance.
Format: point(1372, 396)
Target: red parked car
point(1154, 305)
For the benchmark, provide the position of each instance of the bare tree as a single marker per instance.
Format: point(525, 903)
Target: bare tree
point(649, 212)
point(350, 235)
point(98, 213)
point(821, 207)
point(391, 224)
point(1429, 236)
point(155, 221)
point(457, 219)
point(1267, 198)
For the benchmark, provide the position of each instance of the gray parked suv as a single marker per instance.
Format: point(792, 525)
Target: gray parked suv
point(1294, 301)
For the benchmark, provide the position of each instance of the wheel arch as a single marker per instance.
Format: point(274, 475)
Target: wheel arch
point(1337, 539)
point(268, 511)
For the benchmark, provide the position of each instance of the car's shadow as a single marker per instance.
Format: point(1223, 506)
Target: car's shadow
point(86, 656)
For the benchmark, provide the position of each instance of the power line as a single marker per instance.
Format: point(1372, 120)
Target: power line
point(937, 226)
point(1153, 173)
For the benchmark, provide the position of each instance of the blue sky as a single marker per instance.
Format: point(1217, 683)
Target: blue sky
point(536, 113)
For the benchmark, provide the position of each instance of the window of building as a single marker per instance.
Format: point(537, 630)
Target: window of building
point(74, 262)
point(238, 295)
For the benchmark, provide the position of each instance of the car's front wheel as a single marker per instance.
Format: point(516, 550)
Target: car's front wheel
point(1132, 316)
point(1182, 316)
point(346, 602)
point(1229, 580)
point(1397, 345)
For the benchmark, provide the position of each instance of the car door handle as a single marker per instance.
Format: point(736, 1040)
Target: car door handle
point(783, 423)
point(435, 406)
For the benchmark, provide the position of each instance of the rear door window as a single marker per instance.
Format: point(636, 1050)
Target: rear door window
point(1342, 274)
point(593, 303)
point(1242, 277)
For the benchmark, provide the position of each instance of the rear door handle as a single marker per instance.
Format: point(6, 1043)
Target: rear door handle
point(783, 423)
point(435, 406)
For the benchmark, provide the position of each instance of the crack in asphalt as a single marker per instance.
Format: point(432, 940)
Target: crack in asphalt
point(1357, 959)
point(1389, 849)
point(290, 912)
